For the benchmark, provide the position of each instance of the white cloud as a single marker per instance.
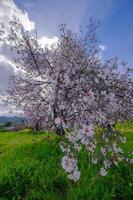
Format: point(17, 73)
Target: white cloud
point(8, 110)
point(101, 51)
point(8, 10)
point(102, 47)
point(6, 70)
point(48, 42)
point(4, 60)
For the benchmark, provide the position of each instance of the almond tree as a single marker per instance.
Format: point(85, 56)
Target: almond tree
point(69, 87)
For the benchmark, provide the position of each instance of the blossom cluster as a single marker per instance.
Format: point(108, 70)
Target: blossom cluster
point(69, 164)
point(83, 136)
point(110, 151)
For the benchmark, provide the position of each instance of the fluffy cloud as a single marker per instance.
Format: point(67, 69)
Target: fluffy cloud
point(8, 110)
point(6, 69)
point(48, 42)
point(8, 10)
point(102, 47)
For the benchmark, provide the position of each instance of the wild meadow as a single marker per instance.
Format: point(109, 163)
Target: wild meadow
point(30, 169)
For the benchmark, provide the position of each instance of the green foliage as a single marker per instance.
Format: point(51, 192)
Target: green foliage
point(30, 170)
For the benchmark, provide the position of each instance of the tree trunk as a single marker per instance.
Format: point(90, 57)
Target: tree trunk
point(60, 131)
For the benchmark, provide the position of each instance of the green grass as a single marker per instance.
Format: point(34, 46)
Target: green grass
point(30, 170)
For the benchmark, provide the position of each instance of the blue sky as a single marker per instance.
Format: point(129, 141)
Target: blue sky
point(116, 17)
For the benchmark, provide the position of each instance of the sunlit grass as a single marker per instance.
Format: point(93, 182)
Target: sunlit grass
point(30, 169)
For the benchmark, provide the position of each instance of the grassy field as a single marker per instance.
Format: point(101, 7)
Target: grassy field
point(30, 169)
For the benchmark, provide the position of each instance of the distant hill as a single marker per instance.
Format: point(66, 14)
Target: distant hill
point(13, 120)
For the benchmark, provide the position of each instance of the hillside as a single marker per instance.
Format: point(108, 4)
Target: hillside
point(13, 119)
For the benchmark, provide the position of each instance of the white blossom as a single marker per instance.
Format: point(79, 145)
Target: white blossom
point(103, 172)
point(103, 150)
point(64, 147)
point(75, 175)
point(77, 147)
point(91, 147)
point(69, 163)
point(117, 149)
point(57, 121)
point(107, 164)
point(122, 139)
point(94, 160)
point(72, 137)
